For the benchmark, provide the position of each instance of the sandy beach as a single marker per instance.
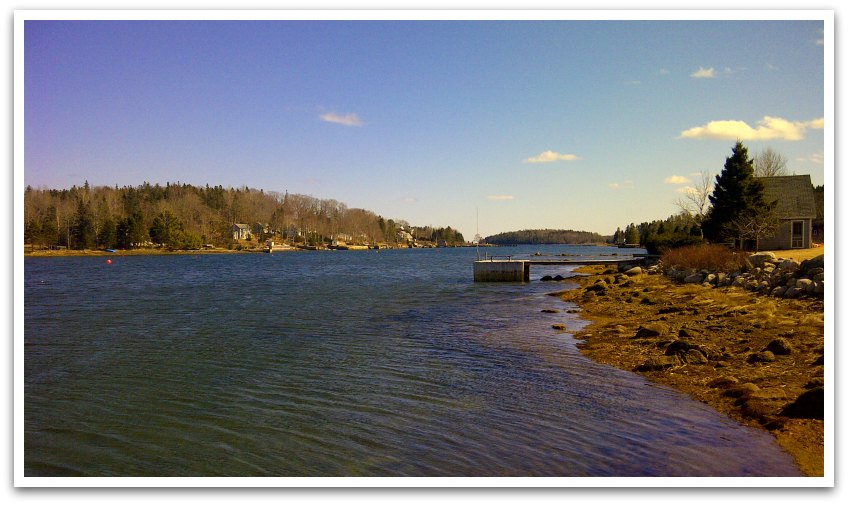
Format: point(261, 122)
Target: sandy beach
point(749, 356)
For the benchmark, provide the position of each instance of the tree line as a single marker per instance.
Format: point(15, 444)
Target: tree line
point(183, 216)
point(546, 237)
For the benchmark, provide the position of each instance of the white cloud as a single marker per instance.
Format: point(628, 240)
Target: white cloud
point(677, 179)
point(410, 199)
point(550, 157)
point(703, 73)
point(346, 120)
point(500, 197)
point(768, 128)
point(621, 185)
point(687, 190)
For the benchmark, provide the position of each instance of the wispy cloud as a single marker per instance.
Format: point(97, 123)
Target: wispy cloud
point(500, 197)
point(347, 120)
point(621, 185)
point(687, 190)
point(820, 41)
point(771, 67)
point(768, 128)
point(410, 199)
point(816, 158)
point(550, 157)
point(664, 71)
point(703, 73)
point(677, 179)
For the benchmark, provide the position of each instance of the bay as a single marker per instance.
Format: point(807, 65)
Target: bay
point(342, 363)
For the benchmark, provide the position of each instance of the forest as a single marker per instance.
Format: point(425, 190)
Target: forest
point(183, 216)
point(546, 237)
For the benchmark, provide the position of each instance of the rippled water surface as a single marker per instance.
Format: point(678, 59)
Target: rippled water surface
point(358, 363)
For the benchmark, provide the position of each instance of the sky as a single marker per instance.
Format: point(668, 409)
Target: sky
point(486, 126)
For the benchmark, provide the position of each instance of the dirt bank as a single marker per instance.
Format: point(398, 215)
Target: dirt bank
point(749, 356)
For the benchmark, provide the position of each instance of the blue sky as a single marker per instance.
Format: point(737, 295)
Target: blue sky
point(587, 125)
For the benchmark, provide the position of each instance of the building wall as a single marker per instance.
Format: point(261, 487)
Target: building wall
point(782, 239)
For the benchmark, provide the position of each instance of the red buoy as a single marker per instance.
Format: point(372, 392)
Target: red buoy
point(108, 262)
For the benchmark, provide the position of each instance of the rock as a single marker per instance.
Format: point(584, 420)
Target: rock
point(779, 346)
point(723, 382)
point(741, 390)
point(597, 287)
point(546, 278)
point(793, 292)
point(677, 347)
point(695, 357)
point(558, 326)
point(819, 361)
point(559, 278)
point(758, 260)
point(812, 263)
point(633, 271)
point(808, 405)
point(658, 363)
point(789, 265)
point(648, 332)
point(694, 279)
point(686, 333)
point(803, 283)
point(550, 311)
point(761, 357)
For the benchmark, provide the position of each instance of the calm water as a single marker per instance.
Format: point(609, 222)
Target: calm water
point(351, 363)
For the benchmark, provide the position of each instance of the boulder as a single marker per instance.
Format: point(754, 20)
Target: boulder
point(761, 357)
point(546, 278)
point(779, 346)
point(808, 405)
point(658, 363)
point(812, 263)
point(677, 347)
point(723, 382)
point(758, 260)
point(633, 271)
point(789, 265)
point(550, 311)
point(694, 279)
point(741, 390)
point(558, 326)
point(648, 332)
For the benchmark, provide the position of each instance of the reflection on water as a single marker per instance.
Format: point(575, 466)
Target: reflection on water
point(390, 363)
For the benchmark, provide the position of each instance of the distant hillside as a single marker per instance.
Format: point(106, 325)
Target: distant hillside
point(546, 237)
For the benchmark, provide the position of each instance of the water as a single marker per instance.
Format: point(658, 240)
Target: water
point(358, 363)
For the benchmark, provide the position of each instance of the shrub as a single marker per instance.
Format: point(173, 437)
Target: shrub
point(712, 257)
point(658, 244)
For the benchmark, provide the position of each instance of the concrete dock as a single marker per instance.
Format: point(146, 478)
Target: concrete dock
point(514, 270)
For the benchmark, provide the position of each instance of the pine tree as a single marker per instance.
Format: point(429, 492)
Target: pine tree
point(737, 194)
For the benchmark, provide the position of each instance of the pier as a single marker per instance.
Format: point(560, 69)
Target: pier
point(507, 269)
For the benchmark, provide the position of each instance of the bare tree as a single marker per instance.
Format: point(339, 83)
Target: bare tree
point(695, 201)
point(755, 226)
point(769, 163)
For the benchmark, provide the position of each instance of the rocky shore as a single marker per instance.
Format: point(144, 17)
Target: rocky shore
point(756, 357)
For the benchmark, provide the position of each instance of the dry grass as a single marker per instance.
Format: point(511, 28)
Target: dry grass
point(799, 254)
point(712, 257)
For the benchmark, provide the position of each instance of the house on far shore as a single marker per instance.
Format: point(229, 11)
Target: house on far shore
point(796, 209)
point(240, 231)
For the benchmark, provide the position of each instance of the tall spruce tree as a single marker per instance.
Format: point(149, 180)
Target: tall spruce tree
point(737, 194)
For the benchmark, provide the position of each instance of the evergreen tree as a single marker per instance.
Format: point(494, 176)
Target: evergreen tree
point(737, 194)
point(83, 232)
point(631, 234)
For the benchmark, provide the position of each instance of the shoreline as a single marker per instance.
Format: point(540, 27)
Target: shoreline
point(706, 342)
